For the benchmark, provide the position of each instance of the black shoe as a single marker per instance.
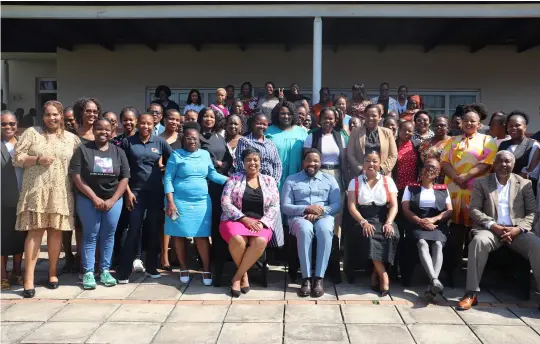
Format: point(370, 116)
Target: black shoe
point(235, 293)
point(52, 285)
point(29, 293)
point(245, 290)
point(305, 290)
point(318, 288)
point(385, 292)
point(166, 267)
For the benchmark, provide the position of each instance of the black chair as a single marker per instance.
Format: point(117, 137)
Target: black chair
point(333, 270)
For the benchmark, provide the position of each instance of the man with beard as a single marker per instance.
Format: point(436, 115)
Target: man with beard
point(503, 209)
point(310, 199)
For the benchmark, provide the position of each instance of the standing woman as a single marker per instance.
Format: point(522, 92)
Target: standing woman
point(144, 194)
point(233, 133)
point(524, 149)
point(432, 149)
point(194, 101)
point(296, 97)
point(372, 203)
point(268, 102)
point(371, 137)
point(163, 93)
point(189, 208)
point(414, 104)
point(465, 158)
point(46, 200)
point(270, 160)
point(422, 123)
point(341, 103)
point(128, 116)
point(238, 110)
point(288, 138)
point(111, 116)
point(406, 169)
point(497, 127)
point(219, 105)
point(172, 123)
point(248, 100)
point(100, 171)
point(86, 111)
point(359, 103)
point(12, 240)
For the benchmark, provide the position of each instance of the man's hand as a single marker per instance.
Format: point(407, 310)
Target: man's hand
point(314, 210)
point(497, 229)
point(509, 234)
point(311, 217)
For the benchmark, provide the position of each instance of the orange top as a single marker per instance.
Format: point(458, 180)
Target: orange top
point(316, 110)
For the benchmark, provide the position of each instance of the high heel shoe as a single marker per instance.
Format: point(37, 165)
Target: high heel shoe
point(385, 293)
point(235, 293)
point(52, 285)
point(29, 293)
point(245, 290)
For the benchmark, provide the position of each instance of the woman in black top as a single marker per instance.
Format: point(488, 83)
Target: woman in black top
point(87, 111)
point(163, 93)
point(100, 171)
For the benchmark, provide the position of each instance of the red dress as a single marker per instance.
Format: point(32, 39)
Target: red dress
point(406, 165)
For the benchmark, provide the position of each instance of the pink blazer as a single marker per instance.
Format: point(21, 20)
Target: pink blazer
point(231, 199)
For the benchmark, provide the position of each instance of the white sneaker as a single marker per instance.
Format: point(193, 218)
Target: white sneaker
point(138, 266)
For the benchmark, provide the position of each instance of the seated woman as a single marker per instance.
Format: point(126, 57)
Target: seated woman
point(428, 208)
point(250, 204)
point(372, 203)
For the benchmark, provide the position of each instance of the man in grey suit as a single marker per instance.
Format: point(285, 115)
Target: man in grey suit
point(503, 209)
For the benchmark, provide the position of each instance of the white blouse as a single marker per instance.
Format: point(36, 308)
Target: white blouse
point(427, 197)
point(377, 195)
point(329, 147)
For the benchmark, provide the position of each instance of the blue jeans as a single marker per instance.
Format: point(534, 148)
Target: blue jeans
point(305, 231)
point(97, 224)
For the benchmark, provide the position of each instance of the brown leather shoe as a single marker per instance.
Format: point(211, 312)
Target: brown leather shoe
point(305, 290)
point(318, 289)
point(467, 302)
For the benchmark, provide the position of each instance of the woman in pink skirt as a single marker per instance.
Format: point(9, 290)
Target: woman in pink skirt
point(250, 204)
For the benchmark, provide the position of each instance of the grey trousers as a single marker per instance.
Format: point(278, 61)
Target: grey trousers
point(485, 241)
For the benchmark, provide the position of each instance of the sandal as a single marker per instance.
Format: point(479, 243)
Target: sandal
point(5, 284)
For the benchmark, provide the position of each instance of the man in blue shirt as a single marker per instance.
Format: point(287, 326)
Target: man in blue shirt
point(310, 199)
point(156, 110)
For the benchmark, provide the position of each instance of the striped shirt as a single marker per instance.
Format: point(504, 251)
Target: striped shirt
point(270, 161)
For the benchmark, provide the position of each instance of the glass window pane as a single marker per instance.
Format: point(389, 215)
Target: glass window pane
point(437, 112)
point(211, 98)
point(434, 101)
point(461, 100)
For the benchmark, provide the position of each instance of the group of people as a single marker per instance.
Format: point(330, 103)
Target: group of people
point(243, 169)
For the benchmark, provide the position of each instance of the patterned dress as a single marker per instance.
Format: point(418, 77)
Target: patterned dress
point(463, 153)
point(429, 150)
point(46, 200)
point(250, 105)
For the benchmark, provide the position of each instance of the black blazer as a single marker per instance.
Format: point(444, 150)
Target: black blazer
point(10, 187)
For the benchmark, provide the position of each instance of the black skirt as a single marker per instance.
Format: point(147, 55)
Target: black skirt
point(418, 233)
point(12, 240)
point(378, 247)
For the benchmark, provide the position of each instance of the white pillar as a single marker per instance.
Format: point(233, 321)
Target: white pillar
point(317, 59)
point(5, 83)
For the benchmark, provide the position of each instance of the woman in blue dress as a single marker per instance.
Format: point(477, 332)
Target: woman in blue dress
point(189, 208)
point(288, 137)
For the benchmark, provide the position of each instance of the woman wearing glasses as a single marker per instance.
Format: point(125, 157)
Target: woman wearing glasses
point(422, 122)
point(86, 111)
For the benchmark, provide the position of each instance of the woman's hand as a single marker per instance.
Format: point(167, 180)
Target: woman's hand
point(461, 181)
point(369, 230)
point(171, 209)
point(256, 227)
point(219, 163)
point(45, 160)
point(108, 204)
point(131, 199)
point(99, 203)
point(388, 230)
point(281, 94)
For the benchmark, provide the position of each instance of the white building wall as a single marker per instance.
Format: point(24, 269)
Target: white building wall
point(22, 81)
point(506, 80)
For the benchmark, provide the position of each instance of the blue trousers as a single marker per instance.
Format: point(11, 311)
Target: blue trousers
point(151, 204)
point(97, 224)
point(305, 231)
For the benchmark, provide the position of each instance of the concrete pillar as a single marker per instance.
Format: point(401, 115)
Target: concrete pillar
point(317, 59)
point(5, 83)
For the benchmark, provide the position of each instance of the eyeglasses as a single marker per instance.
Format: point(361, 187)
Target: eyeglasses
point(11, 124)
point(431, 167)
point(90, 111)
point(155, 112)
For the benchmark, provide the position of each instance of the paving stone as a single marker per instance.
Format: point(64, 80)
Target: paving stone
point(489, 316)
point(197, 291)
point(121, 333)
point(13, 294)
point(356, 291)
point(255, 313)
point(13, 332)
point(64, 292)
point(291, 292)
point(429, 315)
point(62, 332)
point(274, 291)
point(32, 311)
point(156, 292)
point(192, 333)
point(442, 334)
point(379, 334)
point(145, 313)
point(537, 329)
point(490, 334)
point(360, 314)
point(118, 292)
point(5, 306)
point(531, 316)
point(167, 278)
point(456, 294)
point(325, 314)
point(92, 312)
point(248, 333)
point(300, 333)
point(413, 293)
point(506, 295)
point(198, 314)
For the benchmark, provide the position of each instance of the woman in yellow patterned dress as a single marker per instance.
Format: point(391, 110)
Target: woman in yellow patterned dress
point(46, 201)
point(433, 148)
point(464, 159)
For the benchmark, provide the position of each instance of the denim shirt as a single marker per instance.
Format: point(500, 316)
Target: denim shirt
point(301, 191)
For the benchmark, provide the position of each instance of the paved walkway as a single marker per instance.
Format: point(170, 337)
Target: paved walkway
point(163, 311)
